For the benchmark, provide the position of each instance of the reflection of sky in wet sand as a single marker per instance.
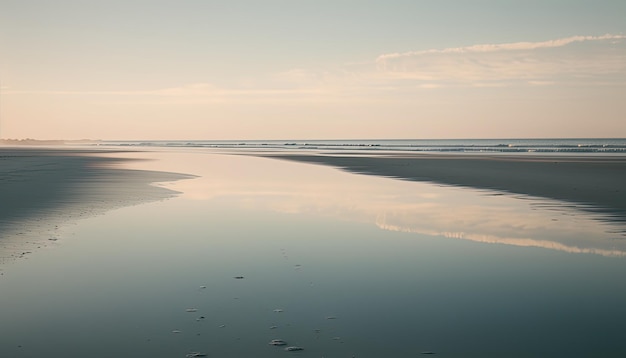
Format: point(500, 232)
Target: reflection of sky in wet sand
point(308, 240)
point(398, 205)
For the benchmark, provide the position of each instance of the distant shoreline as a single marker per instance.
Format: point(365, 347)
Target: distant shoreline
point(597, 182)
point(36, 142)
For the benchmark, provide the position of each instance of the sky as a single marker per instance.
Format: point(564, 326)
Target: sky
point(289, 69)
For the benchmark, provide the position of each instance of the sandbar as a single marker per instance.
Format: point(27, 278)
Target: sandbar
point(51, 186)
point(591, 182)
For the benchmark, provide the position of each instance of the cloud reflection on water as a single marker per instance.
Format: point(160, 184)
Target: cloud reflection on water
point(395, 205)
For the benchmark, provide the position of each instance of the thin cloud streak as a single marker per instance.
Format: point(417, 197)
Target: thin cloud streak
point(515, 46)
point(518, 63)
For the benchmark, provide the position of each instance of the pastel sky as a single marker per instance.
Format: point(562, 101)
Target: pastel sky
point(289, 69)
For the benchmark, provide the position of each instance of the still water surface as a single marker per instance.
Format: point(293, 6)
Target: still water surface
point(343, 265)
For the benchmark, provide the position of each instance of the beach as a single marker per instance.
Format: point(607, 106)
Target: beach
point(34, 180)
point(167, 252)
point(43, 187)
point(593, 181)
point(64, 184)
point(282, 179)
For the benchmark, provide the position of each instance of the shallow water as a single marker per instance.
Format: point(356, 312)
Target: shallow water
point(340, 264)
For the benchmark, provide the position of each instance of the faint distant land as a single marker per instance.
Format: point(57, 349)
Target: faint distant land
point(29, 141)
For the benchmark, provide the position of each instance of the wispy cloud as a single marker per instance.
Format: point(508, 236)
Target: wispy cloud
point(575, 57)
point(588, 60)
point(514, 46)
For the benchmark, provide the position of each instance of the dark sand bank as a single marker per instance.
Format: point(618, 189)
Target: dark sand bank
point(597, 182)
point(58, 185)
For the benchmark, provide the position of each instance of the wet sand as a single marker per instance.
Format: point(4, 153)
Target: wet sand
point(596, 182)
point(65, 184)
point(308, 241)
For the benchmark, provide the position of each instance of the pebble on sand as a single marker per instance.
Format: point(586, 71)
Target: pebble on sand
point(294, 348)
point(278, 342)
point(195, 354)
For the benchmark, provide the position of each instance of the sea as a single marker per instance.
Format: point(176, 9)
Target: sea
point(547, 145)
